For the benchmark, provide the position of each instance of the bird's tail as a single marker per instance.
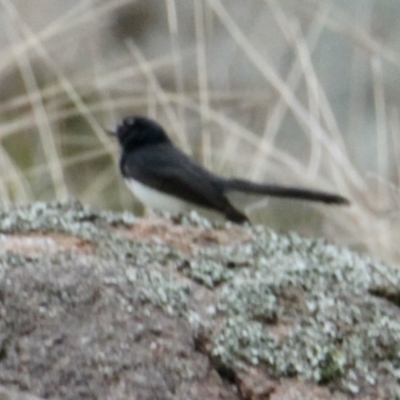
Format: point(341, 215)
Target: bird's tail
point(282, 191)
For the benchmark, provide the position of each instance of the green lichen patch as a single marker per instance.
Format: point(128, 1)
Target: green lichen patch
point(214, 265)
point(335, 332)
point(159, 290)
point(70, 217)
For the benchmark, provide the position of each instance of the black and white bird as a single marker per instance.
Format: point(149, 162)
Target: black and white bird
point(162, 177)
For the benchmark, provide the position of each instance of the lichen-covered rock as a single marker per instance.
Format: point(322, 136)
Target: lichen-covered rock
point(100, 305)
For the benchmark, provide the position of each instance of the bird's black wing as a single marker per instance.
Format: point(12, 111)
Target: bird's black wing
point(167, 169)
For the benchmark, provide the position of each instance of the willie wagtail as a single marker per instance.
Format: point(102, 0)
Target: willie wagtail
point(163, 177)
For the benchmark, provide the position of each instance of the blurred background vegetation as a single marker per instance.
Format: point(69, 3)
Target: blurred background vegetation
point(304, 93)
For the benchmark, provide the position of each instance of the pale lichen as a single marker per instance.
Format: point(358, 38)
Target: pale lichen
point(300, 307)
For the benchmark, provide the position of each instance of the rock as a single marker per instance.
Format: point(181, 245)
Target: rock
point(97, 305)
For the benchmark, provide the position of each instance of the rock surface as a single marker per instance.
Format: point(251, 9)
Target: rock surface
point(96, 305)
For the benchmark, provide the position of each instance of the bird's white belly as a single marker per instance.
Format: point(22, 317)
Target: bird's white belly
point(155, 199)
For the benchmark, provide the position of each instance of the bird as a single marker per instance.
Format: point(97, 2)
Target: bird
point(164, 178)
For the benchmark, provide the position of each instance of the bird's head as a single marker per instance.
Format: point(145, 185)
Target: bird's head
point(136, 131)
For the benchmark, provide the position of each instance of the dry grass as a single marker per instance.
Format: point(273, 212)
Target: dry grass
point(64, 80)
